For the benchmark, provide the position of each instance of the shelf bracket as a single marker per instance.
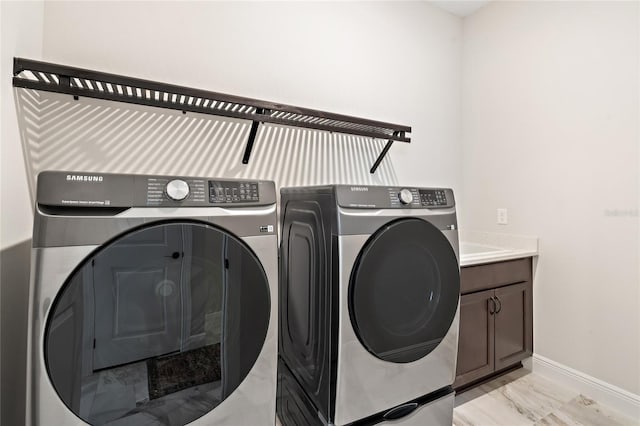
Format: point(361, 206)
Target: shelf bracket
point(384, 151)
point(252, 135)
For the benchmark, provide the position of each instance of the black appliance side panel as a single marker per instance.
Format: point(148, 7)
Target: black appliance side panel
point(293, 406)
point(307, 343)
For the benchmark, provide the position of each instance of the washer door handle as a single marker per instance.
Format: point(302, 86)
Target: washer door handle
point(400, 411)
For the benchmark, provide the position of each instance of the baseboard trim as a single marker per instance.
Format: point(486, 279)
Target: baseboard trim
point(619, 399)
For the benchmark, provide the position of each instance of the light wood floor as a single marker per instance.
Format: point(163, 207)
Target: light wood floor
point(521, 398)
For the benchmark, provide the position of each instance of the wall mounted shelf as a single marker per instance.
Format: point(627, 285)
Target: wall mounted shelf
point(78, 82)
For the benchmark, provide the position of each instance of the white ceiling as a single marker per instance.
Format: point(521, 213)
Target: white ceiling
point(460, 8)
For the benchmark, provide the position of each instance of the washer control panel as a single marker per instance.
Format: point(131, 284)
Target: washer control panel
point(80, 189)
point(161, 190)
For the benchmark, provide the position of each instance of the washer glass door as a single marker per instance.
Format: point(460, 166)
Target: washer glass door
point(404, 290)
point(158, 327)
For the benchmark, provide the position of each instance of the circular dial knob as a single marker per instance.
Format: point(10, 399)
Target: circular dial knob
point(405, 196)
point(177, 189)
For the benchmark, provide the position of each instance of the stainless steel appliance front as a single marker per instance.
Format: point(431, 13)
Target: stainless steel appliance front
point(153, 315)
point(379, 267)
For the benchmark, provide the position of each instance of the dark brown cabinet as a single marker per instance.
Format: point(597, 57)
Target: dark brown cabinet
point(496, 319)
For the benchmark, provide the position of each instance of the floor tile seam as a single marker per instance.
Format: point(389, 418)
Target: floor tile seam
point(606, 410)
point(540, 422)
point(566, 411)
point(467, 419)
point(508, 404)
point(538, 388)
point(514, 406)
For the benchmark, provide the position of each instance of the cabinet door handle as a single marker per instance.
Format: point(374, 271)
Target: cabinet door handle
point(493, 304)
point(499, 305)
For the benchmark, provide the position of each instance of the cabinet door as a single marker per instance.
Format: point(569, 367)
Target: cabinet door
point(513, 328)
point(476, 341)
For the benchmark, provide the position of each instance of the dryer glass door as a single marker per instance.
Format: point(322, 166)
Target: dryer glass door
point(404, 290)
point(157, 327)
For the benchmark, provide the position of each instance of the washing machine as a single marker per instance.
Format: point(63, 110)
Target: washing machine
point(369, 305)
point(153, 301)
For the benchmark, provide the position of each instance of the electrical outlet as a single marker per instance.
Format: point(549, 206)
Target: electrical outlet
point(502, 217)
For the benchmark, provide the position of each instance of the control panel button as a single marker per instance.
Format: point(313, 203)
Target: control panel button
point(233, 192)
point(433, 198)
point(405, 196)
point(177, 189)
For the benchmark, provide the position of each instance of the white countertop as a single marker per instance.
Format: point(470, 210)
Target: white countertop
point(486, 247)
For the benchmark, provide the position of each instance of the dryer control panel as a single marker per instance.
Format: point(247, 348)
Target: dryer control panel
point(76, 189)
point(389, 197)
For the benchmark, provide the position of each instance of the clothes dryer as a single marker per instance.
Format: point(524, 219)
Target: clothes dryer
point(153, 301)
point(369, 305)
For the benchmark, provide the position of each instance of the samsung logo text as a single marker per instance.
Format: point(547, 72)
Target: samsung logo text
point(84, 178)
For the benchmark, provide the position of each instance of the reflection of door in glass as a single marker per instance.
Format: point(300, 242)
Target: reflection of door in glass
point(203, 281)
point(137, 290)
point(172, 316)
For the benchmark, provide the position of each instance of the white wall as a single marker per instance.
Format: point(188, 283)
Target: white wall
point(21, 25)
point(390, 61)
point(551, 132)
